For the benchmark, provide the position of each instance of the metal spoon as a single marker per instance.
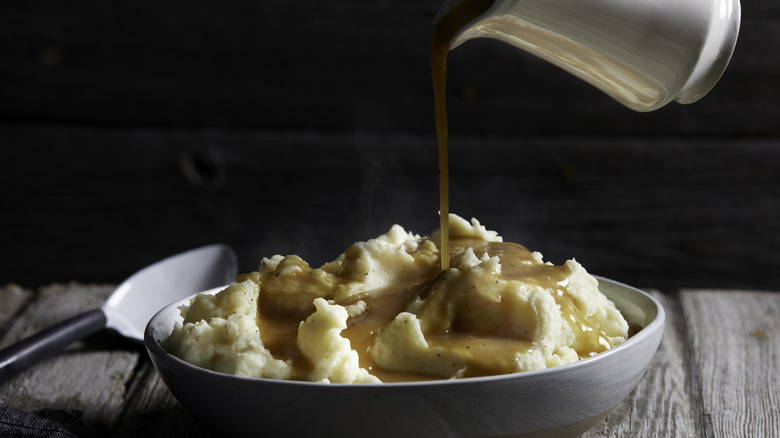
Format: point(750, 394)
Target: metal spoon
point(131, 305)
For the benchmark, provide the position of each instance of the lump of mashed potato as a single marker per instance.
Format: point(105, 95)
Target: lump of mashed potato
point(383, 311)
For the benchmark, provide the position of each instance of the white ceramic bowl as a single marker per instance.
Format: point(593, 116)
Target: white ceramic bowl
point(560, 401)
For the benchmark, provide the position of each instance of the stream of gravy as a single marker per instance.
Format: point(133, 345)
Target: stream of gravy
point(443, 30)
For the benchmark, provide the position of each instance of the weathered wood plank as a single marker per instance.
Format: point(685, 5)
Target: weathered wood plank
point(343, 64)
point(734, 348)
point(152, 411)
point(665, 212)
point(659, 406)
point(89, 378)
point(13, 298)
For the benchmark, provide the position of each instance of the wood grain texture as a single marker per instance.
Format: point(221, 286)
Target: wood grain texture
point(336, 65)
point(88, 379)
point(733, 340)
point(98, 204)
point(660, 405)
point(13, 298)
point(152, 411)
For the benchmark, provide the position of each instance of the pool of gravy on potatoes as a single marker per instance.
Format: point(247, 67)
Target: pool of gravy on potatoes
point(489, 353)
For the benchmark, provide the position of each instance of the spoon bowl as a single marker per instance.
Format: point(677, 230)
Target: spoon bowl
point(139, 297)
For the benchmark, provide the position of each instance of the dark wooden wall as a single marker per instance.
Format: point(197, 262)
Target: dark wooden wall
point(130, 130)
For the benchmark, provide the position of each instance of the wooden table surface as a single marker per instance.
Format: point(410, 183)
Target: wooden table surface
point(715, 373)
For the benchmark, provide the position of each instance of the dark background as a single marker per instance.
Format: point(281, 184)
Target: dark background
point(131, 130)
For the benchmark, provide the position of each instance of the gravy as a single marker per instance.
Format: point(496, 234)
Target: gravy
point(487, 353)
point(443, 31)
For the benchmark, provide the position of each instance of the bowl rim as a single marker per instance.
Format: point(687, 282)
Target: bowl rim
point(645, 333)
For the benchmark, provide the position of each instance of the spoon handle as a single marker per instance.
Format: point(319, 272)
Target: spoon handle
point(28, 351)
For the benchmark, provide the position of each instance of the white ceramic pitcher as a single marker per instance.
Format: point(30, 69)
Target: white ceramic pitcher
point(642, 53)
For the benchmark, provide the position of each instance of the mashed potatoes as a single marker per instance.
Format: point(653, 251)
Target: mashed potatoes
point(383, 311)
